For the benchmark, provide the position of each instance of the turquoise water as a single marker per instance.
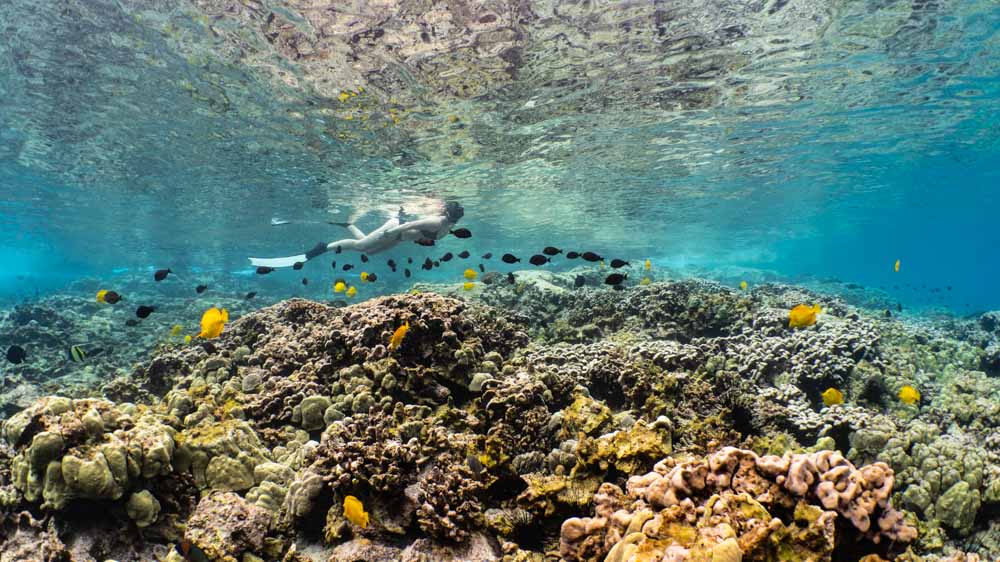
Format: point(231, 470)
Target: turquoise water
point(793, 141)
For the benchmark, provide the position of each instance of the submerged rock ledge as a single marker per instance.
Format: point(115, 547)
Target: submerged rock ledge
point(675, 421)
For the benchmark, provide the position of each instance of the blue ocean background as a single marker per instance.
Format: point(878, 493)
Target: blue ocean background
point(870, 147)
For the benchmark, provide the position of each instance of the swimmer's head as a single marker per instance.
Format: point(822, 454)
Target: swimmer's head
point(453, 211)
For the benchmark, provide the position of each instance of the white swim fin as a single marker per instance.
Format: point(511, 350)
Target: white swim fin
point(278, 262)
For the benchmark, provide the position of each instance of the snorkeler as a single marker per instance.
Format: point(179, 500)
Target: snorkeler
point(384, 237)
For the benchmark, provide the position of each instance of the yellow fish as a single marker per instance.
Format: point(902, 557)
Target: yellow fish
point(414, 292)
point(351, 291)
point(468, 286)
point(470, 274)
point(645, 281)
point(100, 295)
point(803, 315)
point(649, 265)
point(187, 339)
point(909, 395)
point(364, 275)
point(398, 335)
point(355, 512)
point(176, 330)
point(339, 287)
point(832, 396)
point(212, 322)
point(896, 267)
point(743, 285)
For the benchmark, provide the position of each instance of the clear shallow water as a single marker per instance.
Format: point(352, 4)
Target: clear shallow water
point(808, 140)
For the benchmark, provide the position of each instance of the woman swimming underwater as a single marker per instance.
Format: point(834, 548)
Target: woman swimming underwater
point(384, 237)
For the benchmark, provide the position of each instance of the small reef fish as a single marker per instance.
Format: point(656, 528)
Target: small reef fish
point(250, 295)
point(743, 285)
point(161, 274)
point(201, 289)
point(510, 278)
point(803, 315)
point(391, 263)
point(896, 267)
point(470, 274)
point(176, 330)
point(347, 267)
point(487, 255)
point(551, 251)
point(364, 275)
point(468, 286)
point(510, 258)
point(437, 263)
point(264, 270)
point(339, 287)
point(351, 291)
point(77, 354)
point(645, 281)
point(572, 255)
point(187, 339)
point(297, 265)
point(461, 233)
point(887, 313)
point(580, 281)
point(397, 336)
point(591, 257)
point(372, 278)
point(428, 264)
point(447, 257)
point(832, 396)
point(406, 273)
point(16, 354)
point(144, 311)
point(333, 264)
point(616, 263)
point(364, 258)
point(424, 242)
point(189, 550)
point(305, 281)
point(615, 278)
point(112, 297)
point(482, 268)
point(355, 512)
point(909, 395)
point(102, 296)
point(538, 259)
point(212, 322)
point(464, 254)
point(648, 265)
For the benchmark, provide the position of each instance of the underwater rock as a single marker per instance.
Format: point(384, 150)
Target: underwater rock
point(225, 527)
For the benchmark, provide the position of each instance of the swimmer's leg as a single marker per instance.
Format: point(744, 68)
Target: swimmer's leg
point(355, 231)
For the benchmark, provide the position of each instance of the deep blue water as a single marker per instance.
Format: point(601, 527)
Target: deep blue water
point(822, 143)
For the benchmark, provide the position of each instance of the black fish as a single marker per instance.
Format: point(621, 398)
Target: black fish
point(112, 297)
point(447, 257)
point(888, 313)
point(899, 307)
point(297, 265)
point(391, 264)
point(424, 242)
point(475, 465)
point(250, 295)
point(208, 347)
point(161, 274)
point(305, 281)
point(464, 254)
point(144, 311)
point(618, 288)
point(573, 255)
point(482, 269)
point(372, 278)
point(364, 258)
point(510, 277)
point(333, 264)
point(428, 264)
point(264, 270)
point(131, 322)
point(347, 267)
point(16, 354)
point(591, 256)
point(338, 250)
point(409, 260)
point(487, 255)
point(551, 251)
point(199, 289)
point(616, 263)
point(615, 278)
point(462, 233)
point(406, 272)
point(510, 258)
point(538, 259)
point(580, 281)
point(437, 263)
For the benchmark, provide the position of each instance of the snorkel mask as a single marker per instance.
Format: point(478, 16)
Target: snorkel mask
point(453, 211)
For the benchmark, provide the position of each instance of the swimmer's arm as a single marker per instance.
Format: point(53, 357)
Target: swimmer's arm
point(423, 228)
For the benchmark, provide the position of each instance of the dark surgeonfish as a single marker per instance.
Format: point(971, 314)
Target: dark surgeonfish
point(551, 251)
point(615, 278)
point(591, 256)
point(16, 354)
point(161, 274)
point(144, 311)
point(616, 263)
point(510, 258)
point(461, 233)
point(199, 289)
